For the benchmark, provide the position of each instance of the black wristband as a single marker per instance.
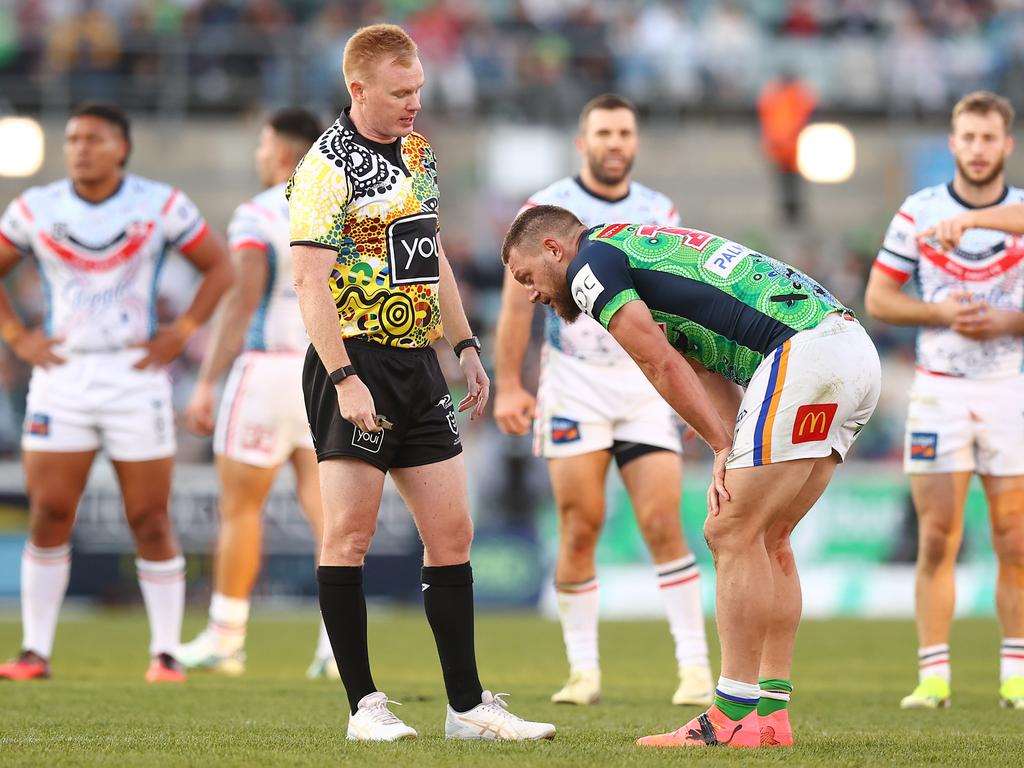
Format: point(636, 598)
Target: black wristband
point(472, 341)
point(339, 375)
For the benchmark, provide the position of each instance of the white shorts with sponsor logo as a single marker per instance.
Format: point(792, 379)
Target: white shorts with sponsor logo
point(809, 397)
point(97, 400)
point(965, 425)
point(582, 407)
point(262, 416)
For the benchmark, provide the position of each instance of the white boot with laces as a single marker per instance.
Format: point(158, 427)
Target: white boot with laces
point(491, 720)
point(373, 721)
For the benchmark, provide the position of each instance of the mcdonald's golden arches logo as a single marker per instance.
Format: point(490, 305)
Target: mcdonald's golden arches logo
point(813, 422)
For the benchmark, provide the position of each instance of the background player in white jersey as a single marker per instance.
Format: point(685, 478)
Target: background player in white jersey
point(965, 415)
point(99, 238)
point(261, 423)
point(583, 418)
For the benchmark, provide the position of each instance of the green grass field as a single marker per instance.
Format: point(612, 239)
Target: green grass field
point(849, 677)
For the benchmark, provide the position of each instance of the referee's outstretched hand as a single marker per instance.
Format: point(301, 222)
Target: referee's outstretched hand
point(477, 382)
point(356, 404)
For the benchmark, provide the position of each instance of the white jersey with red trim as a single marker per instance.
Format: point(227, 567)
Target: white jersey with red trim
point(100, 263)
point(585, 338)
point(262, 223)
point(987, 264)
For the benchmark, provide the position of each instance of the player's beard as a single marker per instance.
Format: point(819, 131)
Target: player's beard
point(598, 172)
point(984, 181)
point(564, 306)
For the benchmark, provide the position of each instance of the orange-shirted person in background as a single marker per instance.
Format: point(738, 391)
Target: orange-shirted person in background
point(784, 108)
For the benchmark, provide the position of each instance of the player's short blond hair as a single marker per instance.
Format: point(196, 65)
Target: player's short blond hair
point(981, 103)
point(371, 44)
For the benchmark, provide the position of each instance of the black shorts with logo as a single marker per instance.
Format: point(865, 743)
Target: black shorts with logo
point(408, 389)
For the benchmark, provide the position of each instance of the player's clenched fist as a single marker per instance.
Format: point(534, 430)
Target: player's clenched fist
point(513, 409)
point(199, 411)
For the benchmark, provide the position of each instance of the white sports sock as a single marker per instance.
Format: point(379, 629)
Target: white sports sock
point(163, 591)
point(578, 605)
point(44, 580)
point(679, 584)
point(229, 617)
point(323, 643)
point(736, 690)
point(933, 661)
point(1011, 658)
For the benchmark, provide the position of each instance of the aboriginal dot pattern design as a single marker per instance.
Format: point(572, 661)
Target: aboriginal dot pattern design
point(343, 196)
point(771, 287)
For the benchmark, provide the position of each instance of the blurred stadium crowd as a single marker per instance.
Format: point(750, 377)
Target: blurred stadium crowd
point(534, 59)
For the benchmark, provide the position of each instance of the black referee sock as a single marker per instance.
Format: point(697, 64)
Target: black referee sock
point(343, 607)
point(448, 602)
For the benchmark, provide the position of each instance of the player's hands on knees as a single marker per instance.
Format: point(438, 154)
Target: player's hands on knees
point(514, 408)
point(36, 348)
point(199, 411)
point(717, 492)
point(948, 231)
point(161, 350)
point(356, 404)
point(477, 382)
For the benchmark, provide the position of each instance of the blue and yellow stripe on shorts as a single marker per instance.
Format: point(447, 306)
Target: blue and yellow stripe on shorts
point(770, 406)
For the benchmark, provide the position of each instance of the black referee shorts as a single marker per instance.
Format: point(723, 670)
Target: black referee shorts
point(407, 388)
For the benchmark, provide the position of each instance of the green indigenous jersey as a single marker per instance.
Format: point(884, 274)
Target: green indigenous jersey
point(719, 302)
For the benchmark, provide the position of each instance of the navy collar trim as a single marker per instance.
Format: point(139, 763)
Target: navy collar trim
point(111, 196)
point(594, 194)
point(952, 193)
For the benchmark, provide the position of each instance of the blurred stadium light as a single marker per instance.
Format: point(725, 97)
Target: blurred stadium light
point(826, 153)
point(22, 147)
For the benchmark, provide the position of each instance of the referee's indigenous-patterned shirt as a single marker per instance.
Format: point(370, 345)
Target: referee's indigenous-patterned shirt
point(376, 205)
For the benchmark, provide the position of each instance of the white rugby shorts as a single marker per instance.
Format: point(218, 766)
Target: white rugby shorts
point(809, 397)
point(965, 425)
point(583, 407)
point(262, 416)
point(97, 400)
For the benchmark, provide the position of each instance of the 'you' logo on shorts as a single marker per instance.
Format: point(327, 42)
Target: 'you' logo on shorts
point(368, 441)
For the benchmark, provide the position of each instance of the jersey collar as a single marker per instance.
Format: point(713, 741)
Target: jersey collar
point(582, 240)
point(96, 203)
point(596, 196)
point(391, 152)
point(965, 204)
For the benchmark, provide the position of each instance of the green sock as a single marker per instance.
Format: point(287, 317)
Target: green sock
point(769, 685)
point(732, 709)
